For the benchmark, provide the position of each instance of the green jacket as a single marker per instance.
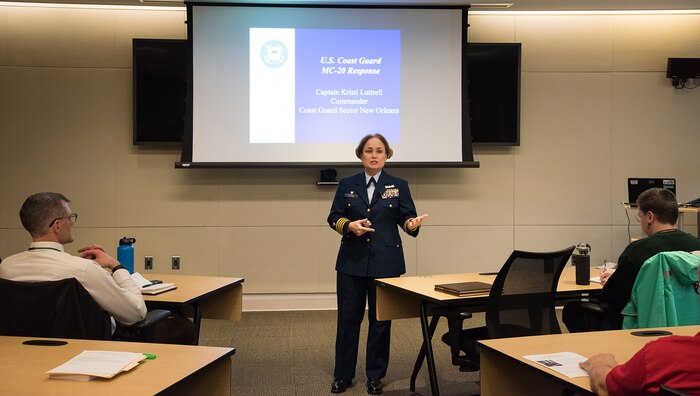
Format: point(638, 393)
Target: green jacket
point(664, 292)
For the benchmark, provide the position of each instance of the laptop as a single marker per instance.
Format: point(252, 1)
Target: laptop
point(637, 185)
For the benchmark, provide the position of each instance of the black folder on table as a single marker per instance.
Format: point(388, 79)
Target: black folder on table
point(464, 288)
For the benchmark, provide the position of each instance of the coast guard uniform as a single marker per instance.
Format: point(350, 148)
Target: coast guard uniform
point(363, 258)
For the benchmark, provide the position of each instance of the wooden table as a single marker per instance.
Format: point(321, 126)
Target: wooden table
point(177, 369)
point(209, 297)
point(413, 296)
point(504, 371)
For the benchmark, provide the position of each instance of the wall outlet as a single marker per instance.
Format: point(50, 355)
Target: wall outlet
point(176, 262)
point(148, 262)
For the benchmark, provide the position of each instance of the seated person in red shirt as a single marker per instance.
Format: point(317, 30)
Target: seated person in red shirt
point(673, 361)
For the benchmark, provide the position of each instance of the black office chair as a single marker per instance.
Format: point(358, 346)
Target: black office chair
point(521, 303)
point(62, 309)
point(596, 315)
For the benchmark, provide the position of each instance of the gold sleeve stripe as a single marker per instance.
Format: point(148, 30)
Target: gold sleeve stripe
point(405, 225)
point(340, 224)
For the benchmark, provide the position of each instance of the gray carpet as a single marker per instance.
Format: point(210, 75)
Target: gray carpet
point(292, 353)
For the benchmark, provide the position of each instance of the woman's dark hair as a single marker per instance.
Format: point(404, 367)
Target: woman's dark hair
point(361, 146)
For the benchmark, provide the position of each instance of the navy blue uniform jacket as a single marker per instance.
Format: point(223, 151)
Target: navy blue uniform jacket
point(374, 254)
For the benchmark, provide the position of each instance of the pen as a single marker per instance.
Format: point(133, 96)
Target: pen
point(155, 282)
point(149, 355)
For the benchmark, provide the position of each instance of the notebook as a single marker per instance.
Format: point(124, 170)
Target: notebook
point(637, 185)
point(464, 288)
point(149, 288)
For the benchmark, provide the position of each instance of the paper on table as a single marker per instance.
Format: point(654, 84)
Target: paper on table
point(91, 364)
point(595, 279)
point(565, 363)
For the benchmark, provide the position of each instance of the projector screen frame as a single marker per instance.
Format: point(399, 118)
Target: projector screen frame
point(467, 151)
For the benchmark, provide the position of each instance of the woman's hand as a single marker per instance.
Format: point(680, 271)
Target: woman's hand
point(359, 227)
point(414, 223)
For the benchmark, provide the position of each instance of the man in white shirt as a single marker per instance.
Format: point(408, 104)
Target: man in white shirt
point(48, 218)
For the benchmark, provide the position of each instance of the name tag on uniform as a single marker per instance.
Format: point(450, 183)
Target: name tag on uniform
point(351, 194)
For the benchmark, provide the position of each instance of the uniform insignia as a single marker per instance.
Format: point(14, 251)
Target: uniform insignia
point(390, 193)
point(351, 194)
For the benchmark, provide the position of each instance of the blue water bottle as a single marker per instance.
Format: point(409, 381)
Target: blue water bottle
point(125, 253)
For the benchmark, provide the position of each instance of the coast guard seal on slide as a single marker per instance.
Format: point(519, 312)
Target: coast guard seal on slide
point(274, 53)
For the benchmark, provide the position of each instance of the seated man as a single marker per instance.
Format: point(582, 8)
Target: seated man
point(671, 361)
point(48, 218)
point(658, 212)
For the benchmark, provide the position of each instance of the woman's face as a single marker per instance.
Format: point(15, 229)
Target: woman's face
point(373, 156)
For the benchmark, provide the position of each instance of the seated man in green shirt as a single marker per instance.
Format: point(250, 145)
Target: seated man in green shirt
point(658, 212)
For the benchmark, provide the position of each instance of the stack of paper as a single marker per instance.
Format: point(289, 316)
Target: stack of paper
point(566, 363)
point(96, 364)
point(147, 287)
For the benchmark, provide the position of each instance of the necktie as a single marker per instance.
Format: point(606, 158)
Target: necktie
point(370, 188)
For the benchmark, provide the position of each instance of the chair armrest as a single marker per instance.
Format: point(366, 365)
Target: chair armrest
point(593, 308)
point(152, 317)
point(451, 311)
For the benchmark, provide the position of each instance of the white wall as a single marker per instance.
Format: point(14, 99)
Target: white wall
point(596, 109)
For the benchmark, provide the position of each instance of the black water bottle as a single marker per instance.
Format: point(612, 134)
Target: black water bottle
point(581, 259)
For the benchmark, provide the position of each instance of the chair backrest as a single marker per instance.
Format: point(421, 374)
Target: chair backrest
point(665, 292)
point(62, 309)
point(523, 297)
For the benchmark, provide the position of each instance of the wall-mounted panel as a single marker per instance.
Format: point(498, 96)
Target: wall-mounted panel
point(491, 28)
point(15, 240)
point(468, 196)
point(270, 197)
point(645, 42)
point(61, 123)
point(565, 42)
point(153, 193)
point(277, 258)
point(562, 168)
point(551, 238)
point(196, 247)
point(165, 23)
point(456, 249)
point(3, 36)
point(655, 134)
point(61, 37)
point(5, 158)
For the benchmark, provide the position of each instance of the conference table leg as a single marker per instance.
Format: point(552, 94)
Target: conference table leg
point(426, 349)
point(197, 318)
point(421, 353)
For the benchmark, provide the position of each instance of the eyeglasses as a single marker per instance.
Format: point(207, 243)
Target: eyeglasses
point(639, 216)
point(72, 218)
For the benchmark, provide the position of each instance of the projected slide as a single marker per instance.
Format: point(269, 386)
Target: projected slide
point(324, 85)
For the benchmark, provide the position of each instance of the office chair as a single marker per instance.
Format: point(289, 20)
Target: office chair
point(521, 303)
point(665, 293)
point(61, 309)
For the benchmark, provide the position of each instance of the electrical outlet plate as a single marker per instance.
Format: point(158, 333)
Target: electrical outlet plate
point(176, 262)
point(148, 262)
